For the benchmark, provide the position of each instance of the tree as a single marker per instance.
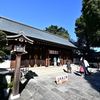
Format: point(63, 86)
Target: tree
point(59, 31)
point(3, 48)
point(91, 14)
point(81, 32)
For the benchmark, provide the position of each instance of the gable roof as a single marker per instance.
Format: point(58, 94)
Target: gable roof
point(14, 27)
point(21, 37)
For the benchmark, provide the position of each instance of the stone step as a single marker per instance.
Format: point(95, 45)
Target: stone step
point(38, 91)
point(43, 71)
point(48, 70)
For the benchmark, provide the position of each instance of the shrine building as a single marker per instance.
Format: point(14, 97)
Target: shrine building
point(45, 45)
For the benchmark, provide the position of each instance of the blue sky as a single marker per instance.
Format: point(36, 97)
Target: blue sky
point(43, 13)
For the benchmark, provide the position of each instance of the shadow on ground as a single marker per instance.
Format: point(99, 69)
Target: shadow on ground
point(93, 79)
point(30, 74)
point(77, 73)
point(65, 70)
point(27, 76)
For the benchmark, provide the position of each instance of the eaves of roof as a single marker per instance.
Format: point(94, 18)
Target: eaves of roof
point(14, 27)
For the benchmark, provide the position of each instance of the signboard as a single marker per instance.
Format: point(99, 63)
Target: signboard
point(61, 79)
point(53, 52)
point(19, 48)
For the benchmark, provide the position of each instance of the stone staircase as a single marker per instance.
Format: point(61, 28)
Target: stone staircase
point(48, 70)
point(43, 86)
point(37, 91)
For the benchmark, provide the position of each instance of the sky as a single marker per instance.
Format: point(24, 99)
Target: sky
point(43, 13)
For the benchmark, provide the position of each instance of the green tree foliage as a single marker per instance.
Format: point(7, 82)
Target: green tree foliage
point(81, 32)
point(59, 31)
point(91, 14)
point(3, 48)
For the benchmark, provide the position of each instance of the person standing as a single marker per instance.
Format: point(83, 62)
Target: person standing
point(86, 64)
point(99, 65)
point(55, 61)
point(58, 61)
point(82, 67)
point(68, 66)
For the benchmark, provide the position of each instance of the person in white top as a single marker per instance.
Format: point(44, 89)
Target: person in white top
point(86, 65)
point(58, 61)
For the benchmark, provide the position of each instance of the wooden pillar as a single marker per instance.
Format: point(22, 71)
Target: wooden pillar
point(17, 75)
point(47, 58)
point(47, 62)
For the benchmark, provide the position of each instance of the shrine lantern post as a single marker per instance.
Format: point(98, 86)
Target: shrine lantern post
point(19, 43)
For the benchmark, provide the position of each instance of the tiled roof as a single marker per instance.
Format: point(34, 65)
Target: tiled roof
point(14, 27)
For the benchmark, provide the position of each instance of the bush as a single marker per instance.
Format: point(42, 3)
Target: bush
point(3, 86)
point(10, 85)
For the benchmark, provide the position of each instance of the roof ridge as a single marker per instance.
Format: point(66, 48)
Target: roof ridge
point(31, 27)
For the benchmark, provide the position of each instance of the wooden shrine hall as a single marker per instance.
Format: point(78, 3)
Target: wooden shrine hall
point(45, 47)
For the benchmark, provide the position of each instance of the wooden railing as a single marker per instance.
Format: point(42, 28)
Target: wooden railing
point(35, 63)
point(29, 63)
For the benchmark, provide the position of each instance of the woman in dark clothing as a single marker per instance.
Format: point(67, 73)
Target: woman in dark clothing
point(82, 67)
point(68, 67)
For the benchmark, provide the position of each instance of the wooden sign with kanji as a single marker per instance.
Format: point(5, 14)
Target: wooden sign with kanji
point(61, 79)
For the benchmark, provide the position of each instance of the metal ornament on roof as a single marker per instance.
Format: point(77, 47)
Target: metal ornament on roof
point(21, 32)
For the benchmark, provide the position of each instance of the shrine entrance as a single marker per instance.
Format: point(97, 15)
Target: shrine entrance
point(52, 54)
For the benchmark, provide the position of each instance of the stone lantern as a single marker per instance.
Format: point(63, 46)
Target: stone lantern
point(19, 42)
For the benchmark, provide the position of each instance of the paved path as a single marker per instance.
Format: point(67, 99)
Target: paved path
point(44, 87)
